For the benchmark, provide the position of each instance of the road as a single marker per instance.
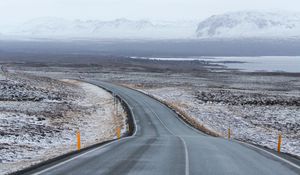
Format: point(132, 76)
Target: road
point(163, 144)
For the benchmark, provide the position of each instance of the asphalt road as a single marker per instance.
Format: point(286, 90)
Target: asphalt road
point(163, 144)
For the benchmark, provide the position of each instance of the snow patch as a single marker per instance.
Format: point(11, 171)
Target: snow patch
point(249, 24)
point(34, 131)
point(259, 124)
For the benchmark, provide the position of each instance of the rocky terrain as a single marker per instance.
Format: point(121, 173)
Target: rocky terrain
point(257, 106)
point(40, 116)
point(239, 97)
point(257, 117)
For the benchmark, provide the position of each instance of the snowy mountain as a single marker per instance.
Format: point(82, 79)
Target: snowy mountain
point(119, 28)
point(250, 24)
point(246, 24)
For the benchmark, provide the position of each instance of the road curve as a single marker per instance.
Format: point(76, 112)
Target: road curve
point(163, 145)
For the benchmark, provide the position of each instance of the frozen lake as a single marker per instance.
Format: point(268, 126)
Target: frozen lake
point(251, 64)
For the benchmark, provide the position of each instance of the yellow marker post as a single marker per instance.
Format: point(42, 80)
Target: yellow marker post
point(119, 132)
point(78, 140)
point(279, 143)
point(229, 133)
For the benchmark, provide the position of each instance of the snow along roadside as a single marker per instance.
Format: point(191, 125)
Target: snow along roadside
point(94, 117)
point(214, 119)
point(101, 123)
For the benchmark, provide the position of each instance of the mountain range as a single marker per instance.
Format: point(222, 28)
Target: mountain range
point(250, 24)
point(245, 24)
point(119, 28)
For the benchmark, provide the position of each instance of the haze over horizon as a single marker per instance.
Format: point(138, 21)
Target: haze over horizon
point(15, 12)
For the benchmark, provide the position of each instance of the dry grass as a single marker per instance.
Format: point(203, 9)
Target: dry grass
point(189, 119)
point(178, 108)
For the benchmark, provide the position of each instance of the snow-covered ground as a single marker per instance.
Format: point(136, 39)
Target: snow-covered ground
point(257, 106)
point(39, 119)
point(254, 117)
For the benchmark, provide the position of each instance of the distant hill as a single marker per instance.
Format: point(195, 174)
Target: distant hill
point(119, 28)
point(250, 24)
point(234, 25)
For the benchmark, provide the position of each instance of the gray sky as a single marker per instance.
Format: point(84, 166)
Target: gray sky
point(16, 11)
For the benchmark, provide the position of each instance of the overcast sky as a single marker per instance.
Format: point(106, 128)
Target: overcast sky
point(17, 11)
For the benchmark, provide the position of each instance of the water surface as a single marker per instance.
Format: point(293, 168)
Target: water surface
point(251, 64)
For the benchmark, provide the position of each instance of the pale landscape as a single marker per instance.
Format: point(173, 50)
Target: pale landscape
point(40, 117)
point(149, 87)
point(257, 106)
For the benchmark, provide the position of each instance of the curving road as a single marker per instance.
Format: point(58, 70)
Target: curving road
point(163, 144)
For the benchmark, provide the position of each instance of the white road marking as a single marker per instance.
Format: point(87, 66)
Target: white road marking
point(272, 154)
point(80, 155)
point(184, 144)
point(95, 149)
point(189, 126)
point(187, 163)
point(170, 109)
point(255, 147)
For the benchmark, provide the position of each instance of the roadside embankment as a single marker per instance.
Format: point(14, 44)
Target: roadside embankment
point(40, 116)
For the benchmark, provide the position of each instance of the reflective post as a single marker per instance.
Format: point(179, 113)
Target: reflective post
point(78, 140)
point(279, 143)
point(118, 132)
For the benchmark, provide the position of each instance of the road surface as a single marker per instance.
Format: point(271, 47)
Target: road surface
point(164, 145)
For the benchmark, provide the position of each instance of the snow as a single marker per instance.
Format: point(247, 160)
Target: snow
point(240, 24)
point(259, 124)
point(247, 24)
point(34, 131)
point(103, 111)
point(51, 27)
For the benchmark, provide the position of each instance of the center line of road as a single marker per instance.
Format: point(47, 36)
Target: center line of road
point(187, 163)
